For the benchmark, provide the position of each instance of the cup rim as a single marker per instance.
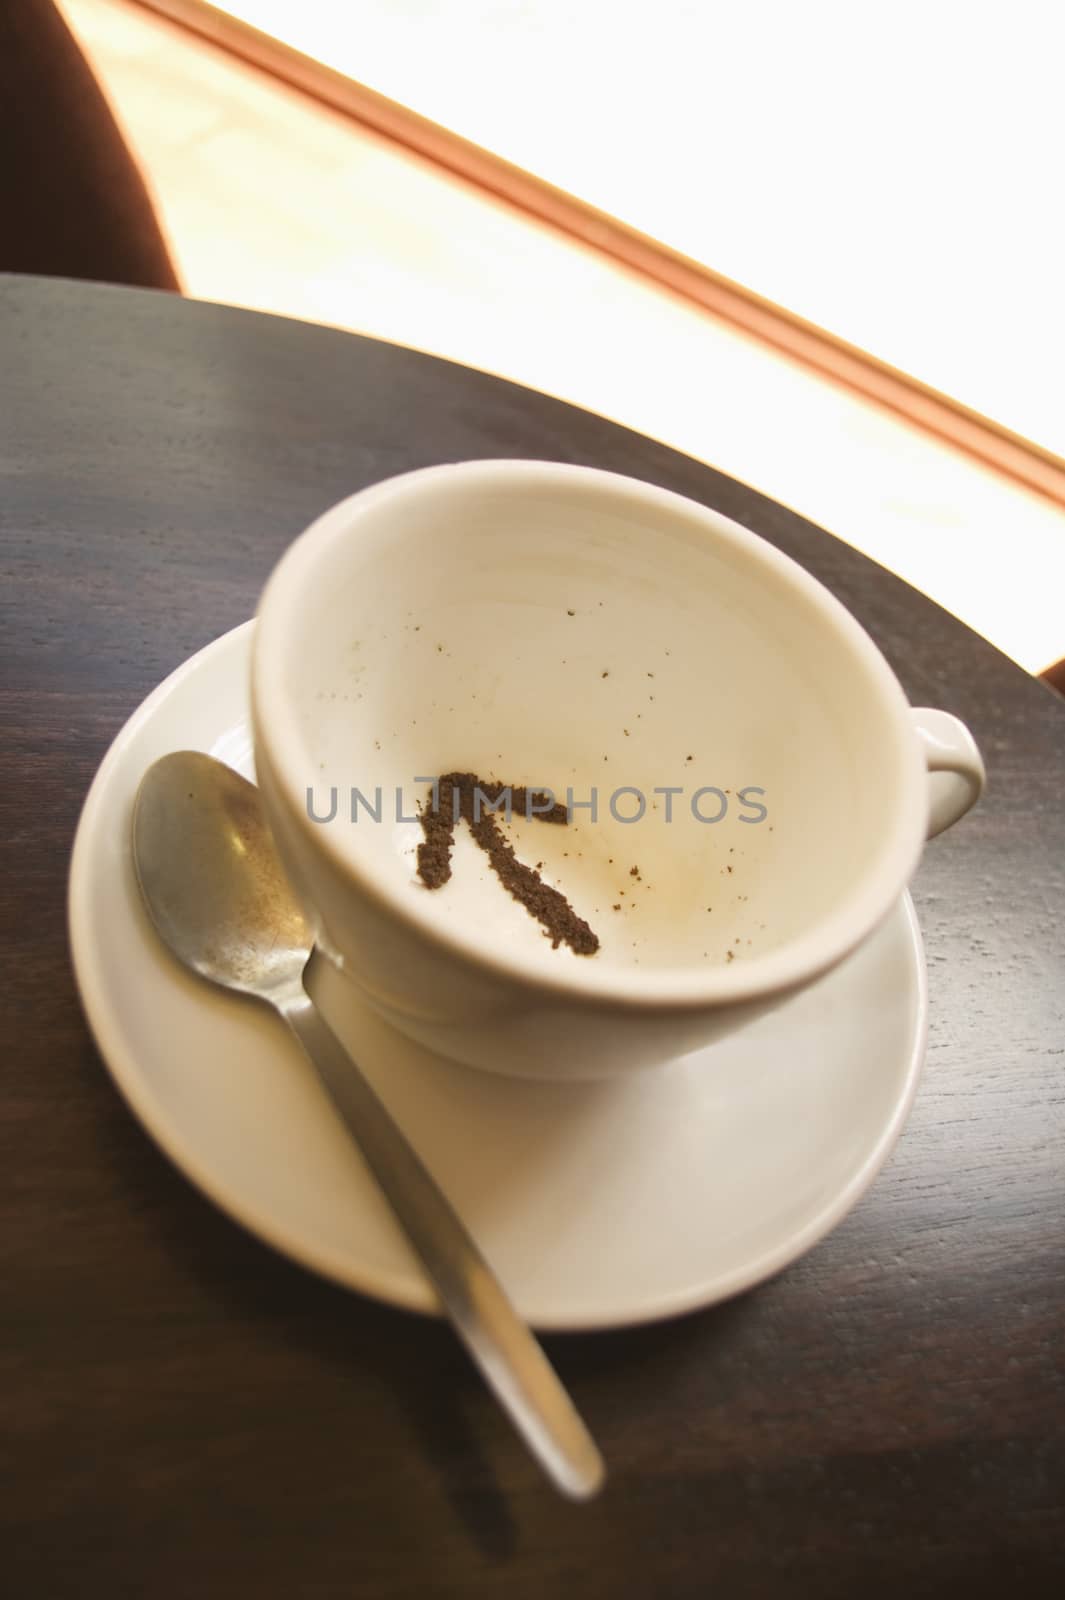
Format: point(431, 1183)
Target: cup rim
point(778, 971)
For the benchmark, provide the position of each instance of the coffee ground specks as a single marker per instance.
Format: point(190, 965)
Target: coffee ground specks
point(456, 794)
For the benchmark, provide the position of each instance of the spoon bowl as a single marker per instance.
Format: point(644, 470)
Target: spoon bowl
point(221, 900)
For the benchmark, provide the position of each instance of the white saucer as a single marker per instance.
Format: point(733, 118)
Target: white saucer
point(598, 1204)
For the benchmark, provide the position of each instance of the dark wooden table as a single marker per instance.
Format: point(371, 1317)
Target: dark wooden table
point(184, 1413)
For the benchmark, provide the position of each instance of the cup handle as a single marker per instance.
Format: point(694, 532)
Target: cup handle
point(956, 775)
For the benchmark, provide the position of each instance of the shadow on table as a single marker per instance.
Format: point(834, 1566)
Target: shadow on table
point(413, 1363)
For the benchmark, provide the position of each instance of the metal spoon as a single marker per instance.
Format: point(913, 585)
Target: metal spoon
point(217, 894)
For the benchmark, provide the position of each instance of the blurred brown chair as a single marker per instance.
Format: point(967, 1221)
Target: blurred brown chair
point(1055, 676)
point(73, 203)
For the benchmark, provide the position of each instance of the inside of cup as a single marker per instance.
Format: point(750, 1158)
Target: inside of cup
point(728, 738)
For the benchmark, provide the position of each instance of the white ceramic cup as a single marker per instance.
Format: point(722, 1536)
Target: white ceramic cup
point(565, 628)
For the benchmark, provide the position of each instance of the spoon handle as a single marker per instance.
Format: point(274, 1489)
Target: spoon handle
point(500, 1343)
